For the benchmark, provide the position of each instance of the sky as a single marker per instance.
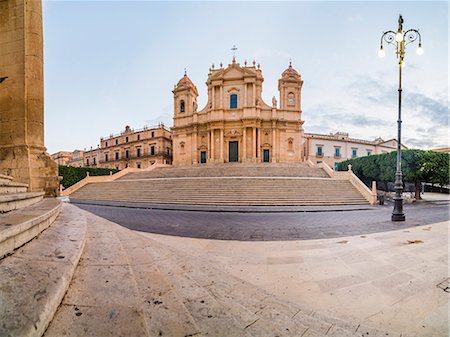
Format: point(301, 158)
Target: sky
point(114, 63)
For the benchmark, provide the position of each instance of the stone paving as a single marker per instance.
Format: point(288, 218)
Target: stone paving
point(269, 226)
point(130, 285)
point(396, 281)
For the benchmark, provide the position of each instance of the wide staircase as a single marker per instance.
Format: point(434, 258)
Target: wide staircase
point(228, 185)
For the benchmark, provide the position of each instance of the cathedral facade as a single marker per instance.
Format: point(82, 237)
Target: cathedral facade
point(236, 125)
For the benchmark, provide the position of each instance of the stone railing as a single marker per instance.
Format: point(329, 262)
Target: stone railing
point(328, 170)
point(310, 163)
point(101, 179)
point(369, 195)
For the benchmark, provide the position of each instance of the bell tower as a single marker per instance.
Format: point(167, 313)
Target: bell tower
point(290, 86)
point(185, 98)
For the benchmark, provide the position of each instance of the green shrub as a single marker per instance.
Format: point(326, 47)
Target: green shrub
point(418, 167)
point(71, 175)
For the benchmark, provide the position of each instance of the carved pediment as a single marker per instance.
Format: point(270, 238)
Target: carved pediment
point(233, 133)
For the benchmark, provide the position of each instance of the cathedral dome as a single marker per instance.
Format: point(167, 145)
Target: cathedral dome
point(290, 72)
point(185, 81)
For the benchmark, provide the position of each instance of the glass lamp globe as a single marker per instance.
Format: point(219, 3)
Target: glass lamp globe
point(381, 52)
point(420, 50)
point(399, 37)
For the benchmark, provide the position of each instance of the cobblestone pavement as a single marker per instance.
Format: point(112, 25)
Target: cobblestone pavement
point(269, 226)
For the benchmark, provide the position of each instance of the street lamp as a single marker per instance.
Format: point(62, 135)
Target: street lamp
point(400, 40)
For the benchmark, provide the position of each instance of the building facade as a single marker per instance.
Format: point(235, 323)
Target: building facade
point(236, 125)
point(337, 147)
point(132, 148)
point(62, 157)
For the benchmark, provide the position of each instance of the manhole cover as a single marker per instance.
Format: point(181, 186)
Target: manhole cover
point(445, 285)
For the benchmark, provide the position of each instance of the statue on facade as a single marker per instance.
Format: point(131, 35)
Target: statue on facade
point(274, 102)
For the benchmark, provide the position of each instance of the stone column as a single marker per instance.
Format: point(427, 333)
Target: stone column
point(209, 146)
point(258, 146)
point(221, 97)
point(213, 140)
point(221, 145)
point(254, 94)
point(194, 148)
point(22, 151)
point(254, 144)
point(213, 100)
point(244, 144)
point(274, 145)
point(245, 94)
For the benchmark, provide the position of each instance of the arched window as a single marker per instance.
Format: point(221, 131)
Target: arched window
point(290, 145)
point(233, 101)
point(182, 106)
point(291, 99)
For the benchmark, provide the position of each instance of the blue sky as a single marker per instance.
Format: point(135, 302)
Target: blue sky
point(114, 63)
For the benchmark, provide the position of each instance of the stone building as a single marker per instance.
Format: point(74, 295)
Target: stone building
point(339, 146)
point(62, 157)
point(236, 125)
point(132, 148)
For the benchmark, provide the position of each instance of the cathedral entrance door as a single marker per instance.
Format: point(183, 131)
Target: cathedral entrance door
point(266, 156)
point(233, 154)
point(203, 157)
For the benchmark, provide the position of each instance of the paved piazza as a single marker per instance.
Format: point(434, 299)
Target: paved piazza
point(356, 266)
point(269, 226)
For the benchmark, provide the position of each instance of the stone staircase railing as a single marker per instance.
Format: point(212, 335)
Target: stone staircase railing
point(99, 179)
point(369, 195)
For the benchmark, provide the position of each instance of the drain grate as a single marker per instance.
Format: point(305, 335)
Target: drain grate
point(445, 285)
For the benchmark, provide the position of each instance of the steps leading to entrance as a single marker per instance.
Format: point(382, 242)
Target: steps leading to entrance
point(238, 191)
point(231, 170)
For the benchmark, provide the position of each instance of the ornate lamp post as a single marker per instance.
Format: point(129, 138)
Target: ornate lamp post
point(400, 40)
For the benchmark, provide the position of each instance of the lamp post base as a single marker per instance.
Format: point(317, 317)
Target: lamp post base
point(397, 214)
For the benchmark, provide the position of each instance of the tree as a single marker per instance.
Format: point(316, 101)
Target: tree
point(418, 167)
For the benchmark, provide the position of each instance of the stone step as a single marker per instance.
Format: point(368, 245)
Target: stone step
point(20, 226)
point(5, 178)
point(35, 278)
point(13, 201)
point(12, 187)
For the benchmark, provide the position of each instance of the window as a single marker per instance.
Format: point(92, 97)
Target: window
point(168, 151)
point(290, 145)
point(139, 137)
point(233, 101)
point(291, 99)
point(153, 134)
point(106, 144)
point(117, 155)
point(319, 151)
point(152, 150)
point(117, 141)
point(354, 153)
point(138, 152)
point(126, 139)
point(106, 157)
point(87, 162)
point(138, 165)
point(127, 153)
point(182, 106)
point(94, 161)
point(337, 152)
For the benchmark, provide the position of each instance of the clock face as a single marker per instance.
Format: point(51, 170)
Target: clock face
point(291, 100)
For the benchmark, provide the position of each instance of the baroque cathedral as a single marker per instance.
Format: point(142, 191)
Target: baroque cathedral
point(236, 125)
